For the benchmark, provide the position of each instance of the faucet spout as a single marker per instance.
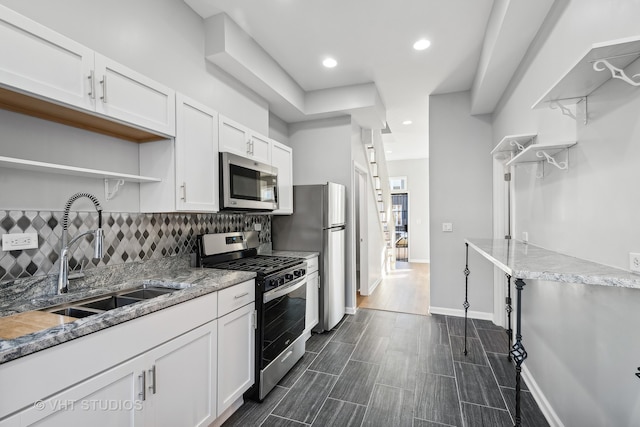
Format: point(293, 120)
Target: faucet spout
point(63, 276)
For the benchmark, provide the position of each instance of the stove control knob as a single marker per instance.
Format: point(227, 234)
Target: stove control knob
point(288, 276)
point(280, 281)
point(299, 273)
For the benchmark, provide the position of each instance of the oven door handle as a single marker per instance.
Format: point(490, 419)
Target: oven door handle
point(278, 292)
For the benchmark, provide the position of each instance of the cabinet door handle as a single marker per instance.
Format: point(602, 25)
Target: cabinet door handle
point(241, 295)
point(103, 82)
point(92, 84)
point(318, 280)
point(248, 147)
point(184, 191)
point(152, 373)
point(143, 389)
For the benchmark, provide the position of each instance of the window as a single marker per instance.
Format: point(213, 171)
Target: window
point(398, 183)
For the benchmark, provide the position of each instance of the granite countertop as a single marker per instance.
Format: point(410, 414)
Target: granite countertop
point(527, 261)
point(167, 272)
point(292, 254)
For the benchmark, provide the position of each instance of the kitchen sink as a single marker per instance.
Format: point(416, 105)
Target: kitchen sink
point(73, 312)
point(96, 305)
point(109, 303)
point(148, 293)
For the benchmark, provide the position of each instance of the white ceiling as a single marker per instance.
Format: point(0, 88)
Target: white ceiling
point(372, 42)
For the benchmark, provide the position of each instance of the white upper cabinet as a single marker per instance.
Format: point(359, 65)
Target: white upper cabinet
point(260, 148)
point(126, 95)
point(196, 157)
point(188, 168)
point(41, 63)
point(238, 139)
point(282, 158)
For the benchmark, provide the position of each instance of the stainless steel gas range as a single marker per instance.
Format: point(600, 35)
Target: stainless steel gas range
point(280, 301)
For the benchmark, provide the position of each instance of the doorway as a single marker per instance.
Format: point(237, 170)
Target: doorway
point(400, 212)
point(361, 225)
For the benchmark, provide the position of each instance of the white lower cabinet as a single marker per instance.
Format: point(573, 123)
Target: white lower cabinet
point(158, 370)
point(236, 355)
point(313, 288)
point(171, 385)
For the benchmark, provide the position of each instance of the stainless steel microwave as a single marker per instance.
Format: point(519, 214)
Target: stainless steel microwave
point(247, 185)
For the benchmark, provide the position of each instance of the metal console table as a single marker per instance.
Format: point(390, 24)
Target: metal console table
point(520, 261)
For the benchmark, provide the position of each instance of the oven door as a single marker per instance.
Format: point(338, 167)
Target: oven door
point(246, 184)
point(284, 310)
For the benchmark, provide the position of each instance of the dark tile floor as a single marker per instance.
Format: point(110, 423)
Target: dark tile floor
point(380, 368)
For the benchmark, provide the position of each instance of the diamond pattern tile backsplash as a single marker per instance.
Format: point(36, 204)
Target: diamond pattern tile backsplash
point(128, 237)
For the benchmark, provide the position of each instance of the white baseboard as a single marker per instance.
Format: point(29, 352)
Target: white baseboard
point(375, 285)
point(541, 400)
point(419, 260)
point(227, 413)
point(481, 315)
point(350, 310)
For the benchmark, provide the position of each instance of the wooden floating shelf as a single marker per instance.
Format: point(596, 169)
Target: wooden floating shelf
point(42, 109)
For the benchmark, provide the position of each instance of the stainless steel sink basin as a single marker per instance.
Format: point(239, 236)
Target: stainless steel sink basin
point(109, 303)
point(73, 312)
point(96, 305)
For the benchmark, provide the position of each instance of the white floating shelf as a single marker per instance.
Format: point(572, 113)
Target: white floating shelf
point(583, 79)
point(9, 162)
point(530, 154)
point(507, 144)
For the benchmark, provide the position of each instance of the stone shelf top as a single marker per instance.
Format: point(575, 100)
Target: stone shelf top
point(526, 261)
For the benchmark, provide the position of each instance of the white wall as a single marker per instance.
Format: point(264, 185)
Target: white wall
point(581, 339)
point(163, 39)
point(460, 192)
point(417, 173)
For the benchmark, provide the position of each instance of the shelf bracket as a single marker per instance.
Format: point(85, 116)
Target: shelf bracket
point(616, 72)
point(110, 194)
point(515, 143)
point(551, 160)
point(564, 110)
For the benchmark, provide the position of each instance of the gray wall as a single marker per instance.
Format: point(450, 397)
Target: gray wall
point(417, 173)
point(322, 153)
point(460, 191)
point(582, 340)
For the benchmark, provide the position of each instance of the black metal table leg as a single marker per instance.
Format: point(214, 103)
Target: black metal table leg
point(509, 309)
point(466, 293)
point(518, 351)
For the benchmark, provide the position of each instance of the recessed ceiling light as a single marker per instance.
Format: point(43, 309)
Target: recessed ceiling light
point(329, 62)
point(407, 122)
point(421, 44)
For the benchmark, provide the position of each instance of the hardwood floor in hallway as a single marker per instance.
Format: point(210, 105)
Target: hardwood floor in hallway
point(405, 290)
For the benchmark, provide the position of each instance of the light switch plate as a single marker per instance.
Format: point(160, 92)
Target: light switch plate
point(19, 241)
point(447, 227)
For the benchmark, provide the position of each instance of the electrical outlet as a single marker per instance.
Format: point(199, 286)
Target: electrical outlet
point(19, 241)
point(634, 262)
point(257, 226)
point(447, 227)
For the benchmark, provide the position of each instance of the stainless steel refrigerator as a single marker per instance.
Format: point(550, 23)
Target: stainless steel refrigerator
point(318, 225)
